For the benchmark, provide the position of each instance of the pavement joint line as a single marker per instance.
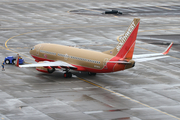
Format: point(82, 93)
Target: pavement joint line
point(96, 84)
point(52, 29)
point(147, 49)
point(6, 47)
point(91, 10)
point(55, 29)
point(163, 7)
point(136, 101)
point(148, 31)
point(66, 25)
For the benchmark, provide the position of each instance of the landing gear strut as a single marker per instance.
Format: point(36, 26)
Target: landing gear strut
point(67, 74)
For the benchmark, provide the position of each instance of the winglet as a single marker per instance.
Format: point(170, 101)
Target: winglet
point(168, 49)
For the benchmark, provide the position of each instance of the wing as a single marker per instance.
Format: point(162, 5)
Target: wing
point(147, 57)
point(47, 63)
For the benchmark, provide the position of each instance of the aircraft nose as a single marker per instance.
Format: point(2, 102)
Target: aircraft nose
point(32, 49)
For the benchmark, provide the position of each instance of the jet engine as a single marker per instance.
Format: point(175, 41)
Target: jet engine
point(45, 69)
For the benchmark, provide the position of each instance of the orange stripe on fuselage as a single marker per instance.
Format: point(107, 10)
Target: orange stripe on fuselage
point(37, 59)
point(129, 55)
point(118, 67)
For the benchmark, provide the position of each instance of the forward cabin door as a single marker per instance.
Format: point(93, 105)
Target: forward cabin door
point(38, 49)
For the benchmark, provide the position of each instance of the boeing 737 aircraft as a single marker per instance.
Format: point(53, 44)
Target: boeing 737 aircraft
point(52, 56)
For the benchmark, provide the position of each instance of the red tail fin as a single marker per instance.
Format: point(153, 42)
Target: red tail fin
point(125, 47)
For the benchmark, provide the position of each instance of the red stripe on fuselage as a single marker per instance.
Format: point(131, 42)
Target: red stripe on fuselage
point(110, 66)
point(37, 59)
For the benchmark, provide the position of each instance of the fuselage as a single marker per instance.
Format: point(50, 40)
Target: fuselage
point(82, 59)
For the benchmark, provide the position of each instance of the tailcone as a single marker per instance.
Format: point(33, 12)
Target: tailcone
point(130, 65)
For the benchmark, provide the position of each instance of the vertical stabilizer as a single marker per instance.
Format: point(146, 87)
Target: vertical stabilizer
point(125, 47)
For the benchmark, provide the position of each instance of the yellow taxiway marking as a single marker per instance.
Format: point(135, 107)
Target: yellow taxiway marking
point(92, 26)
point(121, 95)
point(80, 27)
point(14, 37)
point(1, 47)
point(163, 7)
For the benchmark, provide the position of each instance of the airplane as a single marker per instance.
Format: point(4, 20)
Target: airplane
point(50, 57)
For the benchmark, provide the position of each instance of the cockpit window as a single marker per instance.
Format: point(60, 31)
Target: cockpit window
point(32, 48)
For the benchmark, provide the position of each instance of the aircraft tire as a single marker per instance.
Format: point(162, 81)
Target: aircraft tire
point(70, 75)
point(67, 75)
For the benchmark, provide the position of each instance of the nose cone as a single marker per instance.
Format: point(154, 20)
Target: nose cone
point(35, 50)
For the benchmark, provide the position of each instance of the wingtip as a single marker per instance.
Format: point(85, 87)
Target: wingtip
point(168, 49)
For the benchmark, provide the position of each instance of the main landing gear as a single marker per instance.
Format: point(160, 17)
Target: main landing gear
point(67, 74)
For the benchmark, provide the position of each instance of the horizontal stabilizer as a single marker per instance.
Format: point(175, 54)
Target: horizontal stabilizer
point(148, 59)
point(146, 55)
point(123, 62)
point(154, 56)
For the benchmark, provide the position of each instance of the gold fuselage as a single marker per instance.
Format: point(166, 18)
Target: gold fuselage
point(71, 55)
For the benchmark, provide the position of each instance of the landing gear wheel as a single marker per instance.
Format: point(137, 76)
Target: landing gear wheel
point(67, 75)
point(7, 62)
point(91, 74)
point(70, 75)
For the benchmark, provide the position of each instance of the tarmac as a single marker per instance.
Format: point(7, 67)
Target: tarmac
point(149, 91)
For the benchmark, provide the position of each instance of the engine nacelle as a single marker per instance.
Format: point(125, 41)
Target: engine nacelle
point(45, 70)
